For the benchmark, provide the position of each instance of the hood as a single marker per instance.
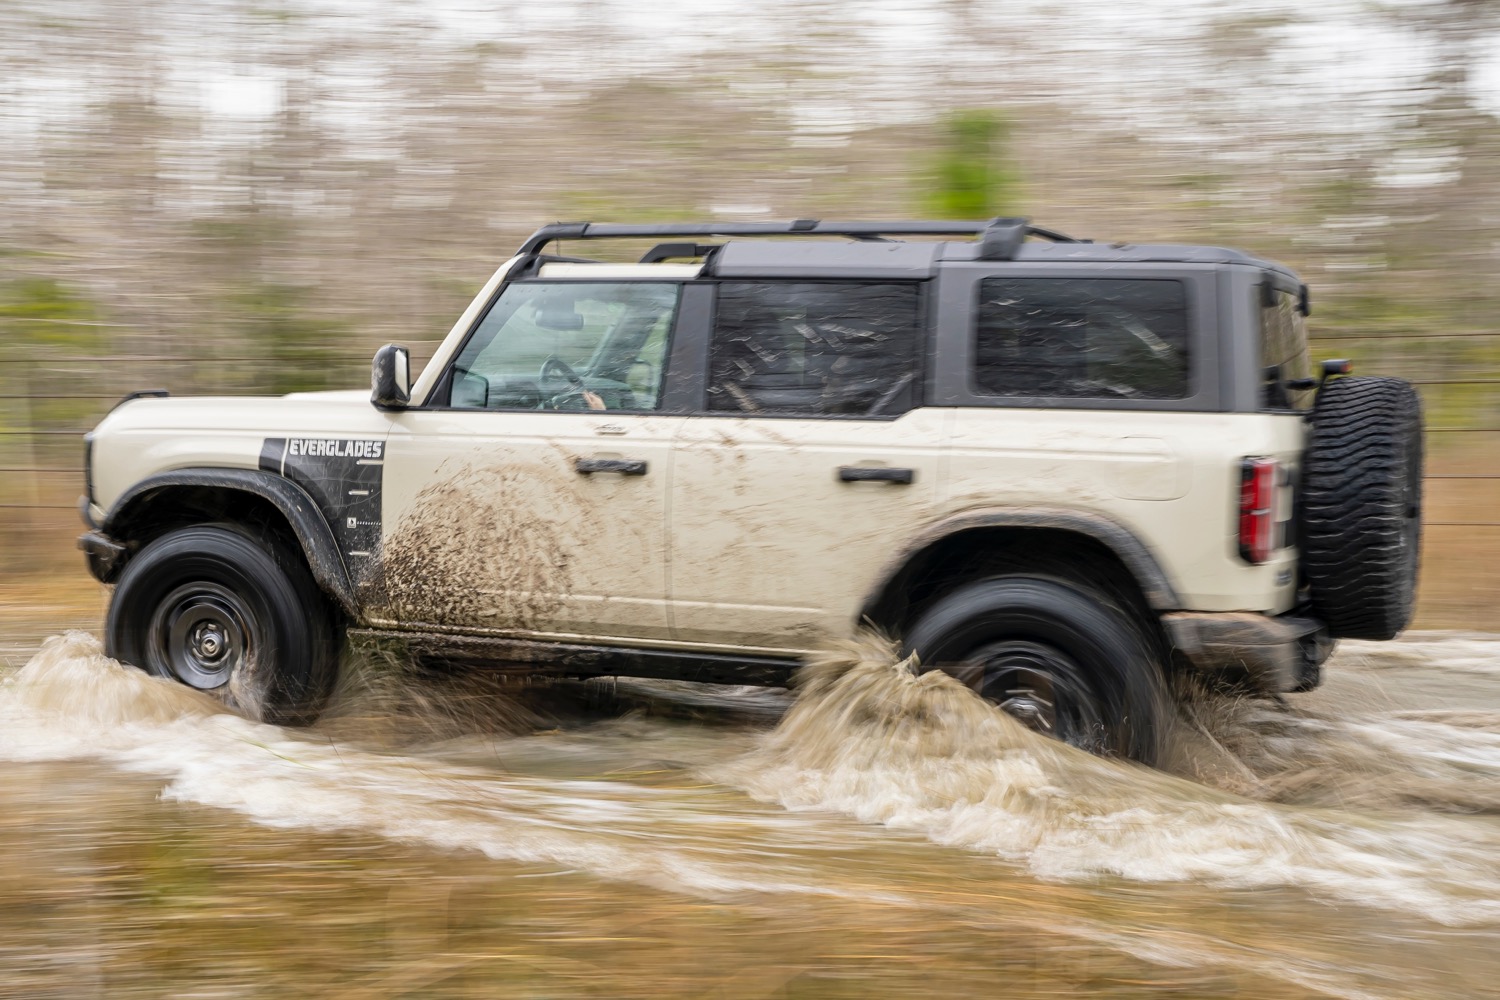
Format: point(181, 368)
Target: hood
point(300, 413)
point(334, 395)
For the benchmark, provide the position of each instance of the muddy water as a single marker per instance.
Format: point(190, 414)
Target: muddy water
point(876, 834)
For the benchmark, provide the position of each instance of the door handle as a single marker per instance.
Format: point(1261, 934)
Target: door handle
point(874, 474)
point(624, 466)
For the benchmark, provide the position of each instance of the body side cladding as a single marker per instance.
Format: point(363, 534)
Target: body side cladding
point(107, 550)
point(882, 603)
point(345, 479)
point(533, 657)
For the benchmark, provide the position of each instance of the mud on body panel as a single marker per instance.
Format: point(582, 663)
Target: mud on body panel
point(343, 476)
point(467, 555)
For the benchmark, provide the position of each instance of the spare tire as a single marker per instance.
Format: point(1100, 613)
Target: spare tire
point(1361, 506)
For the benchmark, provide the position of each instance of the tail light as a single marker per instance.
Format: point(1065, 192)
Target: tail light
point(1257, 509)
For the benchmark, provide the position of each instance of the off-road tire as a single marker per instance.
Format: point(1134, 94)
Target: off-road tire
point(1360, 504)
point(213, 589)
point(1114, 671)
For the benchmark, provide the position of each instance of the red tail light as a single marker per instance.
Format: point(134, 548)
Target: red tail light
point(1257, 509)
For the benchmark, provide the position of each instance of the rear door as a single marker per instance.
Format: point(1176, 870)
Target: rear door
point(811, 461)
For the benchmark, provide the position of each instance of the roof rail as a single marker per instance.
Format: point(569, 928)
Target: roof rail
point(1001, 235)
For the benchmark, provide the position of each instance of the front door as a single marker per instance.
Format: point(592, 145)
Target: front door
point(814, 463)
point(530, 497)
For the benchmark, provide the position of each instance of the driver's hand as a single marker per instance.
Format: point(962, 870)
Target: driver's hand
point(593, 400)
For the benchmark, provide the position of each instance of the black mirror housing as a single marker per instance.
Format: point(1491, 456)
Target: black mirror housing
point(390, 378)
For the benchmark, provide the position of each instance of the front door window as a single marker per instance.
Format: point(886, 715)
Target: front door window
point(568, 345)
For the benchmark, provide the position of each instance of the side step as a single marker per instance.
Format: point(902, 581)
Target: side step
point(558, 659)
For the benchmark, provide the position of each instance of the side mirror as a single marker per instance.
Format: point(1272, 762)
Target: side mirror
point(390, 378)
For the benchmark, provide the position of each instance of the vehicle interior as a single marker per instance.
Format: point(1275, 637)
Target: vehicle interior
point(551, 345)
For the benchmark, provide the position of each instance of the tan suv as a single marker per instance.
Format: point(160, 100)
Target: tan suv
point(1059, 469)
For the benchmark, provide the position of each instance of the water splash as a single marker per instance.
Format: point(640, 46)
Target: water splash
point(869, 738)
point(71, 702)
point(864, 738)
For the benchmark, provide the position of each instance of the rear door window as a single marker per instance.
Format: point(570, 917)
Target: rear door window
point(1086, 338)
point(827, 348)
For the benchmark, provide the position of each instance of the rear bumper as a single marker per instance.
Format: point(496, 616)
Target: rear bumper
point(1278, 654)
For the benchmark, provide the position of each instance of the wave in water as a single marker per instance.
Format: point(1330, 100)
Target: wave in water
point(868, 738)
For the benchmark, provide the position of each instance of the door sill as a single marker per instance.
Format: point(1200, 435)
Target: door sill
point(534, 657)
point(385, 626)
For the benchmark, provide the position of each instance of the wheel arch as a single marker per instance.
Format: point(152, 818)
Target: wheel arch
point(1053, 537)
point(175, 499)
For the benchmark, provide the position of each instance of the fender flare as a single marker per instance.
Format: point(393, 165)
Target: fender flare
point(1158, 591)
point(306, 521)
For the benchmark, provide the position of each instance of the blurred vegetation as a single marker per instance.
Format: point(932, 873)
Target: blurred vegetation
point(972, 178)
point(45, 325)
point(291, 188)
point(296, 347)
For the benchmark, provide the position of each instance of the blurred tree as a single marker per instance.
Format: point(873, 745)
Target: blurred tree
point(1439, 184)
point(972, 177)
point(300, 348)
point(269, 318)
point(42, 320)
point(44, 326)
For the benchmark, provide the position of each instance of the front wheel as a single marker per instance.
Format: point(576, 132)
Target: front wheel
point(1062, 660)
point(218, 611)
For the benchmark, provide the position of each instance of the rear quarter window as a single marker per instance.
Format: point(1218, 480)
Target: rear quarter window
point(1284, 354)
point(1085, 338)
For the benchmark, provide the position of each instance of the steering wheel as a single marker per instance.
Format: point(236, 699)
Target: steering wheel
point(555, 363)
point(555, 370)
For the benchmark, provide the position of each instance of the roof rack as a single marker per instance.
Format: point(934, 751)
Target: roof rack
point(999, 237)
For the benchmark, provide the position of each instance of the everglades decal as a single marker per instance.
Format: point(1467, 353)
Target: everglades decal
point(334, 448)
point(343, 476)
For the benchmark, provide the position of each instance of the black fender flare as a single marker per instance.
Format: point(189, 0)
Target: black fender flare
point(1158, 591)
point(294, 503)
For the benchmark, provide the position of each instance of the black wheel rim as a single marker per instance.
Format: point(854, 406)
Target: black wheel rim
point(1039, 685)
point(199, 635)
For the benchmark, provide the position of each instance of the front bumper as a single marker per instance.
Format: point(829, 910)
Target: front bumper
point(1276, 654)
point(105, 556)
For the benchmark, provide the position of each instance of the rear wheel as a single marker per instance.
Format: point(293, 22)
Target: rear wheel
point(221, 612)
point(1061, 659)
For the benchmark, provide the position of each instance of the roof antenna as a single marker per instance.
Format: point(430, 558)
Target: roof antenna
point(1002, 238)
